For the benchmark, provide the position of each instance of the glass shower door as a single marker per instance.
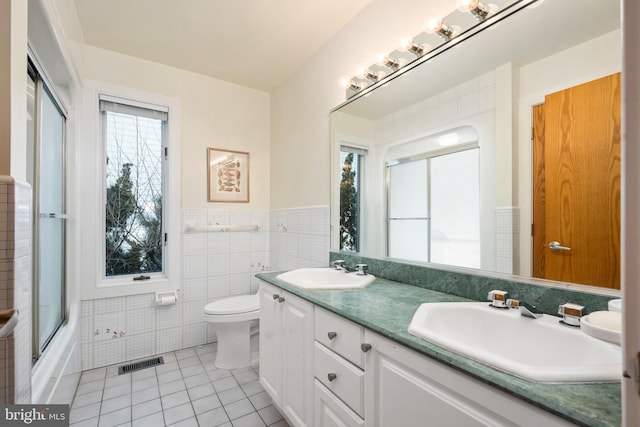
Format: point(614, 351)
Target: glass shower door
point(47, 149)
point(408, 211)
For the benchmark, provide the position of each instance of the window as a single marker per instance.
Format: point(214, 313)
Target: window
point(434, 208)
point(130, 168)
point(351, 160)
point(46, 124)
point(135, 149)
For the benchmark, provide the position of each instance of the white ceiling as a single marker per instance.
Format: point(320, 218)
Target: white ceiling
point(254, 43)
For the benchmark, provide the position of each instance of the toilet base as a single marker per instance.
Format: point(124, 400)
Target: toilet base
point(234, 345)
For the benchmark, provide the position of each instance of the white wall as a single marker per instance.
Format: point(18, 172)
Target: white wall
point(214, 114)
point(13, 81)
point(300, 155)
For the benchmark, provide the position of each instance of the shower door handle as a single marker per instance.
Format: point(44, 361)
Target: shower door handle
point(53, 215)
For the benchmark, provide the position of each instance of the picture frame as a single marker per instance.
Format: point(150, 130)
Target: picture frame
point(227, 175)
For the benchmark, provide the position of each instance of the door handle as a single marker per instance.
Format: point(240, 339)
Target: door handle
point(557, 247)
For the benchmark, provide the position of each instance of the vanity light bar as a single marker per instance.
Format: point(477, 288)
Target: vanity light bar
point(435, 25)
point(385, 61)
point(478, 9)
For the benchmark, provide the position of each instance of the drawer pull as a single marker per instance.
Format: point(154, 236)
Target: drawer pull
point(332, 377)
point(332, 335)
point(281, 299)
point(365, 347)
point(276, 296)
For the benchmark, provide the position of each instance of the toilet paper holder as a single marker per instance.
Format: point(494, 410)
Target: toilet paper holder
point(166, 298)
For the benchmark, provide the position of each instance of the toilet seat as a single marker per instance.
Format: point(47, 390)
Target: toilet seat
point(234, 305)
point(233, 309)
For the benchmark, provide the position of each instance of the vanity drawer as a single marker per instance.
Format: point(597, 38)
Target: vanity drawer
point(329, 411)
point(340, 376)
point(347, 336)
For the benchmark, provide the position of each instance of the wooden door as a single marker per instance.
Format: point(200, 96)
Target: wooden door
point(577, 184)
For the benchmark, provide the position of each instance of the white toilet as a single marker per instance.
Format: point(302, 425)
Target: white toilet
point(232, 318)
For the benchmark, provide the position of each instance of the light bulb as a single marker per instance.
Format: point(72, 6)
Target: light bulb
point(384, 61)
point(380, 59)
point(351, 84)
point(434, 24)
point(406, 43)
point(467, 5)
point(476, 8)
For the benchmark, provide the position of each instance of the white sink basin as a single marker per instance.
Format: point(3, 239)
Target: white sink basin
point(325, 278)
point(535, 349)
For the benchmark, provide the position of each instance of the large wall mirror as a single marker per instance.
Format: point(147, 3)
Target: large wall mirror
point(501, 153)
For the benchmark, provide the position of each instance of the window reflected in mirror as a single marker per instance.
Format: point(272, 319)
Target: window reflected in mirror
point(434, 207)
point(351, 159)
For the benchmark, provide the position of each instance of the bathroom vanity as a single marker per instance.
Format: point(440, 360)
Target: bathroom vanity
point(345, 358)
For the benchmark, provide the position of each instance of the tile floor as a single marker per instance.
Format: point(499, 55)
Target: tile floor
point(188, 390)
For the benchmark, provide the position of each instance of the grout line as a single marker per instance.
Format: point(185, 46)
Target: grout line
point(203, 364)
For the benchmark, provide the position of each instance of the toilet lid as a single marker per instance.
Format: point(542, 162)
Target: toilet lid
point(234, 305)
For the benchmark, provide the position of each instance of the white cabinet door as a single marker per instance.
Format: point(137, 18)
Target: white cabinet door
point(405, 388)
point(331, 411)
point(271, 342)
point(286, 353)
point(297, 321)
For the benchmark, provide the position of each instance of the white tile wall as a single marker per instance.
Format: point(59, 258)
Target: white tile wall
point(214, 265)
point(15, 289)
point(299, 238)
point(465, 100)
point(22, 290)
point(507, 240)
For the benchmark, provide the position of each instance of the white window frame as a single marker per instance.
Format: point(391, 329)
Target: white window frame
point(95, 284)
point(362, 152)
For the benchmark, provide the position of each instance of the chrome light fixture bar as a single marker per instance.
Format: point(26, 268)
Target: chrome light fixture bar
point(385, 61)
point(370, 75)
point(435, 25)
point(409, 45)
point(367, 80)
point(478, 9)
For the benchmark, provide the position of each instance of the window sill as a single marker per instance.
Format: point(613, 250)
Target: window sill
point(125, 287)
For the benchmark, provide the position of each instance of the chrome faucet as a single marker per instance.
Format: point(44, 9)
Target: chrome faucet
point(525, 309)
point(571, 314)
point(340, 264)
point(529, 310)
point(360, 269)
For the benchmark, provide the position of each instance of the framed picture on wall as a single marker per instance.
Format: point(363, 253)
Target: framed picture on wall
point(227, 175)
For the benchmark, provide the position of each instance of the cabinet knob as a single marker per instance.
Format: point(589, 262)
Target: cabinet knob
point(332, 377)
point(332, 335)
point(365, 347)
point(281, 299)
point(276, 296)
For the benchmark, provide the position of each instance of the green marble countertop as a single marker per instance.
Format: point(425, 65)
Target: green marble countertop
point(386, 307)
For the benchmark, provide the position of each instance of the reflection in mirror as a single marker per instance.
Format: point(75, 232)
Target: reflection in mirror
point(490, 83)
point(433, 206)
